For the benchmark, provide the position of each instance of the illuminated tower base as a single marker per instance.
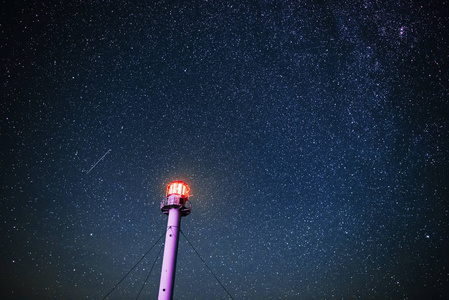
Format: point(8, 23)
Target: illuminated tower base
point(175, 206)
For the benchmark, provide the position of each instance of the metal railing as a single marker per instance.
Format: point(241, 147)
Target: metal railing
point(176, 201)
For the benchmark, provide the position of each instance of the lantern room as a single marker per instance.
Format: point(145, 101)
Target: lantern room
point(177, 197)
point(179, 188)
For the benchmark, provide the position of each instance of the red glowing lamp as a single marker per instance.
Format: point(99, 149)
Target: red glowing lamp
point(178, 188)
point(178, 193)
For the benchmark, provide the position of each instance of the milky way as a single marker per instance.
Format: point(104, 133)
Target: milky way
point(313, 135)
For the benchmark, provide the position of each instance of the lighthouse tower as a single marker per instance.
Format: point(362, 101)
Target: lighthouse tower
point(176, 205)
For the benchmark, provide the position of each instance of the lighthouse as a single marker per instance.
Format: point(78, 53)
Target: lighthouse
point(176, 205)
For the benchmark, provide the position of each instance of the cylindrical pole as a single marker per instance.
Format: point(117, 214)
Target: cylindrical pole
point(170, 252)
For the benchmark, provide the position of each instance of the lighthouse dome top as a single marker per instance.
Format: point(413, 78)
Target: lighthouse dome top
point(178, 188)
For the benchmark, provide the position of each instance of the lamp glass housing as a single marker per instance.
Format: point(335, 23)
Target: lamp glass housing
point(179, 188)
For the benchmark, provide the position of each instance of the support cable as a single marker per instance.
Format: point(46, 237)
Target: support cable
point(133, 267)
point(207, 265)
point(145, 282)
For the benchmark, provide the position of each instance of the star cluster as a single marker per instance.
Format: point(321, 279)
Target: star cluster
point(313, 134)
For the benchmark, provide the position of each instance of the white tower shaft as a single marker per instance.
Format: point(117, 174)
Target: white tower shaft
point(170, 252)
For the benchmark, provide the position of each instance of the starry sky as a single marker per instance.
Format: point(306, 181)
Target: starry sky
point(313, 135)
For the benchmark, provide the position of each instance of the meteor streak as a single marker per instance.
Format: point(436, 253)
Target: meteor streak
point(98, 161)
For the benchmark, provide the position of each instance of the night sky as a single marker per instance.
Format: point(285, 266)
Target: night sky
point(313, 134)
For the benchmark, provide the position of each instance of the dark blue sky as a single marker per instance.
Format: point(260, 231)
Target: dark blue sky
point(314, 136)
